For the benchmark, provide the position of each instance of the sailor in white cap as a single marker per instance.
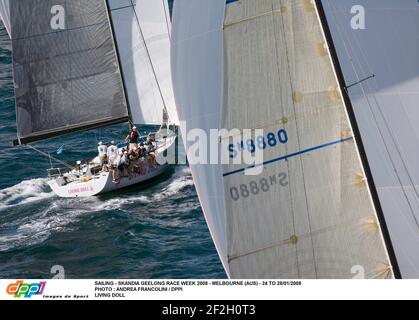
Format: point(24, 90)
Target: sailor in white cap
point(125, 158)
point(78, 167)
point(132, 138)
point(102, 152)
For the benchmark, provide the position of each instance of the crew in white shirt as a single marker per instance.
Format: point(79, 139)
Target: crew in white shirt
point(112, 153)
point(101, 149)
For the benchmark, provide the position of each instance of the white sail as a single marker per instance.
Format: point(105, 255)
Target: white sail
point(142, 30)
point(5, 14)
point(264, 64)
point(386, 106)
point(196, 61)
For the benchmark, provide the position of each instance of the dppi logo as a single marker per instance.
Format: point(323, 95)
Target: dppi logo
point(27, 290)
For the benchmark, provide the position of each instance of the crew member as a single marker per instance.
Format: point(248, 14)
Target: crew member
point(112, 153)
point(132, 138)
point(126, 162)
point(118, 171)
point(102, 152)
point(142, 151)
point(149, 147)
point(78, 167)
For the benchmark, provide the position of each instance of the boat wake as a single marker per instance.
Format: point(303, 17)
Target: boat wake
point(35, 229)
point(23, 225)
point(181, 179)
point(164, 190)
point(25, 192)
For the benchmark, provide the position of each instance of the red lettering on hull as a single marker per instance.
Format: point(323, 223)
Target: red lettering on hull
point(81, 190)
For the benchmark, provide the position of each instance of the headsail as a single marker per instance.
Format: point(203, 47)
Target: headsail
point(5, 14)
point(142, 31)
point(66, 73)
point(197, 39)
point(265, 64)
point(380, 39)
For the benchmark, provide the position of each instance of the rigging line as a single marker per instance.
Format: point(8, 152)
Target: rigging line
point(342, 36)
point(50, 157)
point(298, 139)
point(167, 19)
point(286, 147)
point(359, 82)
point(148, 55)
point(402, 185)
point(260, 15)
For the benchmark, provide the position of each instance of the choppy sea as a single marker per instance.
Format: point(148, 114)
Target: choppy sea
point(157, 231)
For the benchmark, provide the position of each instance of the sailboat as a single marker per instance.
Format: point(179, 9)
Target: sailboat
point(313, 211)
point(91, 64)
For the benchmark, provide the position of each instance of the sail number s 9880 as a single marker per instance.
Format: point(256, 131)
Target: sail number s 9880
point(271, 140)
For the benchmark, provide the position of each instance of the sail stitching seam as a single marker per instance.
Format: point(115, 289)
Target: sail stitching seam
point(261, 15)
point(299, 143)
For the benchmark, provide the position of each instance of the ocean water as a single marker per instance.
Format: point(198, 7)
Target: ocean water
point(156, 231)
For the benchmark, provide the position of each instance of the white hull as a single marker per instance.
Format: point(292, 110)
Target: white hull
point(102, 183)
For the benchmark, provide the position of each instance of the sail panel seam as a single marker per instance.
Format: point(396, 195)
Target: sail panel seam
point(261, 15)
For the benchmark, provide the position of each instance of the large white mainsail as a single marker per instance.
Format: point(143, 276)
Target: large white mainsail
point(265, 64)
point(142, 30)
point(5, 14)
point(379, 38)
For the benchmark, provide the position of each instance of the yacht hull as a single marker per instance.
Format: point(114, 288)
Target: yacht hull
point(102, 183)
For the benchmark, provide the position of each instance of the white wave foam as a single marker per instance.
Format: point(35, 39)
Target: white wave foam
point(181, 179)
point(25, 192)
point(37, 228)
point(174, 187)
point(117, 203)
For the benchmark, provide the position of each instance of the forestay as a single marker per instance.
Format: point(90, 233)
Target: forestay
point(65, 68)
point(379, 38)
point(142, 31)
point(309, 213)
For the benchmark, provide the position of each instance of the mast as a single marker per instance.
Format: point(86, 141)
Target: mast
point(358, 139)
point(112, 26)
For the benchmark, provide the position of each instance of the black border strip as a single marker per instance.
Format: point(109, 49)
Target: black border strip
point(358, 139)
